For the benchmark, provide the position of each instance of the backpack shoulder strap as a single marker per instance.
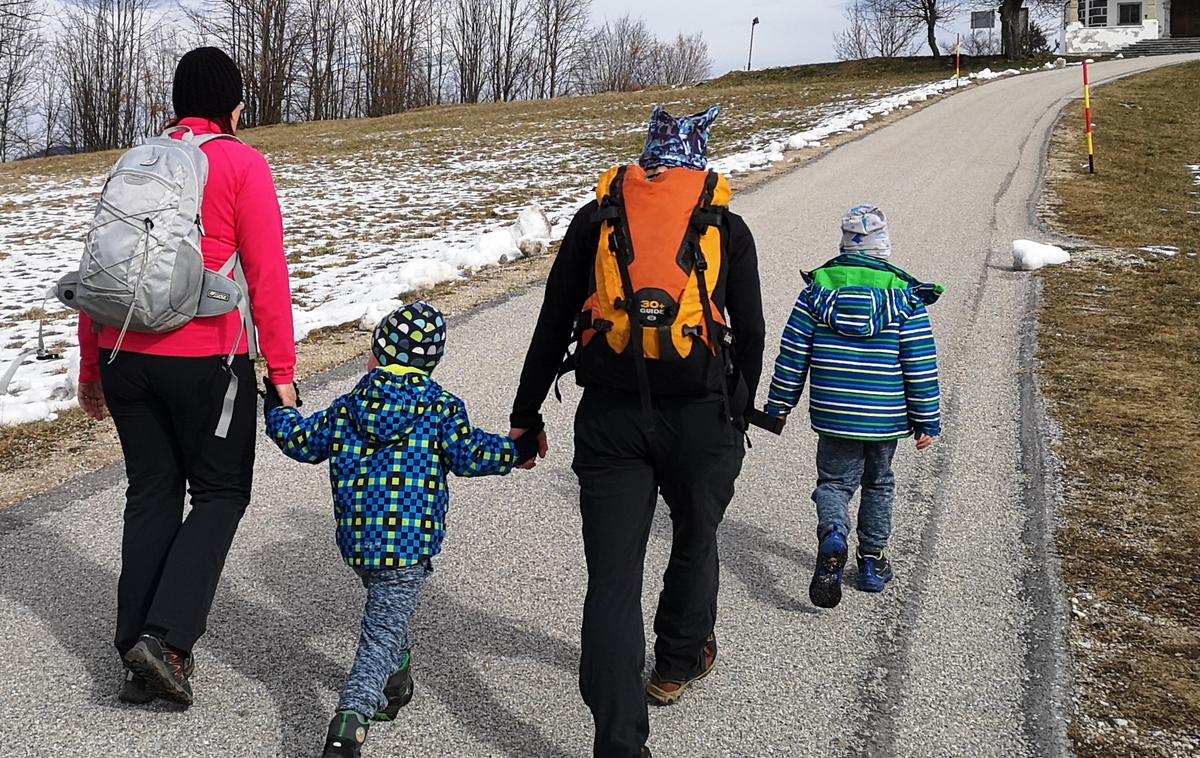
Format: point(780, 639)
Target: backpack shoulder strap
point(204, 139)
point(611, 197)
point(706, 215)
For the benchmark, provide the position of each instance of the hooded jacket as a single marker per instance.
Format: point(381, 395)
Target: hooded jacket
point(390, 443)
point(861, 330)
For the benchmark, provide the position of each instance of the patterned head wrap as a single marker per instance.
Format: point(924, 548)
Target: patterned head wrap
point(678, 142)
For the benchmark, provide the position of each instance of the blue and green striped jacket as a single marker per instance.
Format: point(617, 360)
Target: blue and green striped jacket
point(390, 444)
point(860, 331)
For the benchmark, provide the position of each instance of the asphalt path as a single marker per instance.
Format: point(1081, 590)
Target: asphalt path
point(961, 656)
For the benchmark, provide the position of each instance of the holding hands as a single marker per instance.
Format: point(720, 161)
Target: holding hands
point(531, 445)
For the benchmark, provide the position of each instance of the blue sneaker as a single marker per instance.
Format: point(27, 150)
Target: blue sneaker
point(874, 571)
point(825, 590)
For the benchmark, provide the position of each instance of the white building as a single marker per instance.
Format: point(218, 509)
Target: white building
point(1105, 26)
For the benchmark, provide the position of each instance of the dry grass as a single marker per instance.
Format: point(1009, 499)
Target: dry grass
point(754, 103)
point(1121, 353)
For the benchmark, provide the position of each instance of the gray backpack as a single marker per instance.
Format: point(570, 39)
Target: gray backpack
point(142, 269)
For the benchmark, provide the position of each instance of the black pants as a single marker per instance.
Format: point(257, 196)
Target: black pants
point(692, 457)
point(166, 411)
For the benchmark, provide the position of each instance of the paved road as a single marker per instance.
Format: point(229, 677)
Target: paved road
point(960, 657)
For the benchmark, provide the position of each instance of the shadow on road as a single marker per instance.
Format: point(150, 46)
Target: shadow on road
point(74, 597)
point(743, 546)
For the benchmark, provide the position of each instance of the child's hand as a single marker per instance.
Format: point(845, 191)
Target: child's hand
point(924, 441)
point(279, 396)
point(531, 445)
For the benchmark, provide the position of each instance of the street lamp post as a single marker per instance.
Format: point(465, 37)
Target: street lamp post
point(750, 58)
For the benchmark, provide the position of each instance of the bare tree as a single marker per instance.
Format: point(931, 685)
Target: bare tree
point(469, 41)
point(876, 28)
point(561, 32)
point(389, 34)
point(20, 43)
point(264, 37)
point(931, 14)
point(979, 44)
point(436, 52)
point(100, 47)
point(509, 49)
point(683, 61)
point(325, 63)
point(620, 57)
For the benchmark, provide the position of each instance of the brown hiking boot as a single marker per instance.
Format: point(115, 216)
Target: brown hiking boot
point(166, 670)
point(662, 692)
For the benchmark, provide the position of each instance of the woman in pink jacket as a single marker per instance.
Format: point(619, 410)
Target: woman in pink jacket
point(165, 393)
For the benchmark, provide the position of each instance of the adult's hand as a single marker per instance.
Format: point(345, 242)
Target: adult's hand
point(91, 400)
point(543, 446)
point(924, 441)
point(287, 394)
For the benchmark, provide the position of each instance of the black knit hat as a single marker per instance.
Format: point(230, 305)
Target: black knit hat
point(207, 84)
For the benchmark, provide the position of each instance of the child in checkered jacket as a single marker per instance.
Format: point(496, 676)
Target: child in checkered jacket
point(389, 444)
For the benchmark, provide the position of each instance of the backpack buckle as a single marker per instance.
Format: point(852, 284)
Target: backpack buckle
point(696, 331)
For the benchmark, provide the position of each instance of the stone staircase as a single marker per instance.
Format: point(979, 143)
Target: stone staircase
point(1173, 46)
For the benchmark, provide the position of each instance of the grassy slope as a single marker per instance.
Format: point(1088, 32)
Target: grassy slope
point(1121, 352)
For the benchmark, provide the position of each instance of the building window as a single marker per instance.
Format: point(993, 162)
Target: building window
point(1097, 13)
point(1130, 13)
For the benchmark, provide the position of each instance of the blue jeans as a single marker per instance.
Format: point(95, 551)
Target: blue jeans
point(842, 467)
point(383, 644)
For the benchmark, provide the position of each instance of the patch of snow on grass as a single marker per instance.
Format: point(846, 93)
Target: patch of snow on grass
point(1030, 256)
point(1166, 251)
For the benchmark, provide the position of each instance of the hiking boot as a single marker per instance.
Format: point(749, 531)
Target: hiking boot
point(347, 733)
point(874, 571)
point(133, 690)
point(825, 590)
point(664, 692)
point(399, 691)
point(646, 752)
point(165, 669)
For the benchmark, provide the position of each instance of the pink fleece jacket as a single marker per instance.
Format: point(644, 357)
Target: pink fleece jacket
point(240, 212)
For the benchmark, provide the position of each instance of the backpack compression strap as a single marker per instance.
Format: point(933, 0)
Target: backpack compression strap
point(620, 241)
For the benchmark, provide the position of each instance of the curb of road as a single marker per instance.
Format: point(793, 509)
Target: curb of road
point(1049, 689)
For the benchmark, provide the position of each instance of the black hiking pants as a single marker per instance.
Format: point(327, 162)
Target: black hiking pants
point(166, 411)
point(692, 458)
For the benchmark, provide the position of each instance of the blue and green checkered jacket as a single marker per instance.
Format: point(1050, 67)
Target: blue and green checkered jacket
point(861, 335)
point(389, 444)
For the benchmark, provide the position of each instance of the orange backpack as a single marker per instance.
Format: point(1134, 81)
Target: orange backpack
point(650, 317)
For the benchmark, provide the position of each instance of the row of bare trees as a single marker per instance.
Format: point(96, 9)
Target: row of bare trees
point(895, 28)
point(103, 78)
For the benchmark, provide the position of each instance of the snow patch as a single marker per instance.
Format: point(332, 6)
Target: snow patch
point(1030, 256)
point(1166, 251)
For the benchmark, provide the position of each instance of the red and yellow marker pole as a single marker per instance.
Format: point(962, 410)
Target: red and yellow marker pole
point(1087, 117)
point(957, 60)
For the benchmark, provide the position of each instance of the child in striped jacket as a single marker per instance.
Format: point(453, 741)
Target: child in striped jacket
point(861, 334)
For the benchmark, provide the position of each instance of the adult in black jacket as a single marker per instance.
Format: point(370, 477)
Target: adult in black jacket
point(690, 450)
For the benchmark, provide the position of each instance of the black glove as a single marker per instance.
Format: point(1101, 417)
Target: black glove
point(270, 396)
point(527, 444)
point(773, 424)
point(271, 399)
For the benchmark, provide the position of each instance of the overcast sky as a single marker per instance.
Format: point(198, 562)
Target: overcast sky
point(791, 31)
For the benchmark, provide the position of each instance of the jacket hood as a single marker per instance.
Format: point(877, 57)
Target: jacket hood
point(384, 406)
point(859, 296)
